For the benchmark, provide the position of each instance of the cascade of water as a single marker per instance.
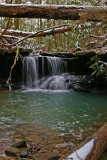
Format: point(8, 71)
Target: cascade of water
point(57, 82)
point(30, 72)
point(34, 72)
point(56, 65)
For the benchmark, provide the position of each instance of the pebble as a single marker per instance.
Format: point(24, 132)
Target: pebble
point(23, 154)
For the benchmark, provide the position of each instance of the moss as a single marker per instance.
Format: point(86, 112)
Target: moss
point(4, 51)
point(84, 53)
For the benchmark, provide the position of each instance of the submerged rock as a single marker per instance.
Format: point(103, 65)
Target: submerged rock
point(8, 158)
point(46, 156)
point(34, 138)
point(20, 144)
point(64, 145)
point(23, 154)
point(12, 151)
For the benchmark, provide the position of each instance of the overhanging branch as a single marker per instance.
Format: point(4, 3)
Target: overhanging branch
point(44, 33)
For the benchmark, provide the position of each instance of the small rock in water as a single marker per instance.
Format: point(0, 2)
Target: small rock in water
point(46, 156)
point(20, 144)
point(12, 151)
point(23, 154)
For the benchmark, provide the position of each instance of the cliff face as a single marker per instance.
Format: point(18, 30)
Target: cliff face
point(6, 61)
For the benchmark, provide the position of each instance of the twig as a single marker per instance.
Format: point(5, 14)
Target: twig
point(15, 60)
point(97, 37)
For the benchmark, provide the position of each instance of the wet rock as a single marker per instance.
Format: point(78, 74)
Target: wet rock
point(12, 151)
point(64, 145)
point(56, 151)
point(56, 140)
point(34, 138)
point(78, 49)
point(23, 154)
point(20, 144)
point(8, 158)
point(46, 156)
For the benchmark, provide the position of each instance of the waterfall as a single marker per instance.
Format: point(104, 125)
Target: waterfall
point(55, 83)
point(30, 72)
point(44, 72)
point(56, 65)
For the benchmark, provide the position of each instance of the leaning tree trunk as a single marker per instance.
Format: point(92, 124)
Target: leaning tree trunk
point(52, 31)
point(92, 148)
point(67, 12)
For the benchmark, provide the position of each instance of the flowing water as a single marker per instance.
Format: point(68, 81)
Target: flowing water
point(44, 73)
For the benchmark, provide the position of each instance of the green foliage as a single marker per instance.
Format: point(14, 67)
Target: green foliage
point(99, 67)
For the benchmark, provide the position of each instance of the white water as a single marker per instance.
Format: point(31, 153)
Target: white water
point(56, 66)
point(44, 74)
point(30, 72)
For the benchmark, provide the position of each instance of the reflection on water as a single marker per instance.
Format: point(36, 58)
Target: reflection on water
point(62, 111)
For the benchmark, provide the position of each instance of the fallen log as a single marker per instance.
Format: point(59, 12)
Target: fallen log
point(92, 148)
point(34, 35)
point(52, 31)
point(65, 12)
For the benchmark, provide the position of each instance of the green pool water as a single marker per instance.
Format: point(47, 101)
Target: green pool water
point(62, 111)
point(55, 110)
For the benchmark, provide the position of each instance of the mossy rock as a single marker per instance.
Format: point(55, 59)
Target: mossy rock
point(12, 151)
point(20, 144)
point(85, 53)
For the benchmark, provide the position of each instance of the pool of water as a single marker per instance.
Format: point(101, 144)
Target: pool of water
point(63, 111)
point(55, 110)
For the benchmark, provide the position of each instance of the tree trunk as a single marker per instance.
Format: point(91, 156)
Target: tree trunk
point(67, 12)
point(41, 34)
point(92, 148)
point(17, 21)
